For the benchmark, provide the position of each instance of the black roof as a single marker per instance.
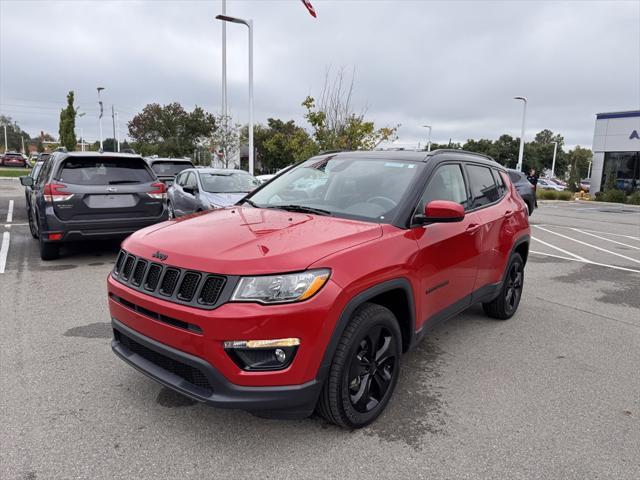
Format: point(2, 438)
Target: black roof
point(412, 155)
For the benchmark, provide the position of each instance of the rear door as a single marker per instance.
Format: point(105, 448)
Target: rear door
point(488, 197)
point(106, 188)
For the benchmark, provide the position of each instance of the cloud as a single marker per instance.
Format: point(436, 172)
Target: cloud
point(455, 65)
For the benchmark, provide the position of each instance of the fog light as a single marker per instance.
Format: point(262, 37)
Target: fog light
point(280, 355)
point(262, 355)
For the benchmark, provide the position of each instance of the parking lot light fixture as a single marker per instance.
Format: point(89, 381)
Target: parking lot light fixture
point(249, 25)
point(100, 116)
point(429, 138)
point(553, 163)
point(524, 116)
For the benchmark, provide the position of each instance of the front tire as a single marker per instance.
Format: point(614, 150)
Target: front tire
point(505, 305)
point(364, 370)
point(32, 226)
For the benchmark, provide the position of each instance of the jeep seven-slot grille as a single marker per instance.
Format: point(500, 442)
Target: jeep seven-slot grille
point(138, 272)
point(169, 281)
point(188, 286)
point(153, 277)
point(198, 289)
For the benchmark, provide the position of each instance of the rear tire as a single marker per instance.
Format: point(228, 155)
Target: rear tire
point(32, 227)
point(505, 305)
point(49, 251)
point(364, 370)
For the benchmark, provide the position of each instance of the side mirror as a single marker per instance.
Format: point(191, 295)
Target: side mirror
point(189, 190)
point(442, 211)
point(26, 181)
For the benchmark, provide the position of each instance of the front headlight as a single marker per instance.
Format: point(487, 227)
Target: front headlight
point(289, 287)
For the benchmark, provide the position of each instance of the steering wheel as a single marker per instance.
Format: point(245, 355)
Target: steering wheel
point(383, 202)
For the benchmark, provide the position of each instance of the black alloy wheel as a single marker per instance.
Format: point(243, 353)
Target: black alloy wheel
point(506, 303)
point(372, 368)
point(364, 370)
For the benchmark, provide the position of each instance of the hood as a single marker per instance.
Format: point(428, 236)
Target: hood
point(247, 241)
point(223, 199)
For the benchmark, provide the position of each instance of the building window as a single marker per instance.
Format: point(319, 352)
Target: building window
point(621, 171)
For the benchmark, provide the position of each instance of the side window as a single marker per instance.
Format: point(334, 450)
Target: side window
point(44, 171)
point(447, 183)
point(482, 185)
point(502, 188)
point(190, 182)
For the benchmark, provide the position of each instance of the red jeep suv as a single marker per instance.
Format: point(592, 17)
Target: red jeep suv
point(306, 294)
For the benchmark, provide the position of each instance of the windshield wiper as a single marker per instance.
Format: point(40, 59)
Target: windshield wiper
point(251, 202)
point(118, 182)
point(302, 209)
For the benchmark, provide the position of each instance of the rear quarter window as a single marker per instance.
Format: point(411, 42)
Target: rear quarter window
point(104, 171)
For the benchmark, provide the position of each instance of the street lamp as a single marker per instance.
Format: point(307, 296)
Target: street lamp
point(80, 115)
point(429, 138)
point(553, 163)
point(524, 116)
point(100, 116)
point(249, 25)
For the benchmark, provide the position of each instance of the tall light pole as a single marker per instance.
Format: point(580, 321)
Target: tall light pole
point(118, 131)
point(80, 115)
point(524, 116)
point(249, 25)
point(224, 63)
point(100, 116)
point(429, 138)
point(5, 137)
point(553, 163)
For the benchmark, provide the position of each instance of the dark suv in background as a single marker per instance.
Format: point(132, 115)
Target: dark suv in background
point(166, 169)
point(91, 195)
point(524, 188)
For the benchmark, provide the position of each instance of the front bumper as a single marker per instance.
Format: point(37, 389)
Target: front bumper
point(196, 378)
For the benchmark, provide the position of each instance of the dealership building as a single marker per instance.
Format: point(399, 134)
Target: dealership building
point(616, 152)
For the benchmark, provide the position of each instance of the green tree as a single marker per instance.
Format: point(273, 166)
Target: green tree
point(578, 159)
point(279, 144)
point(68, 124)
point(170, 130)
point(15, 135)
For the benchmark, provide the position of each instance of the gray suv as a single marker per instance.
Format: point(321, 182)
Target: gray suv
point(91, 195)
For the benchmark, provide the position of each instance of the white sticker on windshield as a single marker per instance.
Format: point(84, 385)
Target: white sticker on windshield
point(395, 164)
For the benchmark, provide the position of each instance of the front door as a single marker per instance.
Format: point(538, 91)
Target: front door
point(447, 252)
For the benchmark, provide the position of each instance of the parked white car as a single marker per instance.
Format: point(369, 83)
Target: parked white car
point(547, 184)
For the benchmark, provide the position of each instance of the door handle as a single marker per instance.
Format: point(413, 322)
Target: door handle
point(472, 228)
point(508, 214)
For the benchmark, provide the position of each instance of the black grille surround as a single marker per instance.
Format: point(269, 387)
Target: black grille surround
point(174, 284)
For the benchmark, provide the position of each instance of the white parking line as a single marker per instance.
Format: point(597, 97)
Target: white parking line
point(607, 239)
point(4, 250)
point(596, 231)
point(10, 212)
point(575, 257)
point(615, 267)
point(589, 245)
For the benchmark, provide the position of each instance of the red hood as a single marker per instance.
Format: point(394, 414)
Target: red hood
point(244, 241)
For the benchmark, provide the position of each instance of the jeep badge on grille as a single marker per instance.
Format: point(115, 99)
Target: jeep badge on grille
point(159, 255)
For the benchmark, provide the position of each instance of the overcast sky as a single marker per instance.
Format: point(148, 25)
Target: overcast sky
point(454, 64)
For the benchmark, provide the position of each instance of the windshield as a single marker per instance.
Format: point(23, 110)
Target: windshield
point(228, 182)
point(362, 188)
point(169, 168)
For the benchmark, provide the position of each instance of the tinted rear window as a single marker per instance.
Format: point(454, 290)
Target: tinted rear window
point(13, 155)
point(104, 171)
point(169, 168)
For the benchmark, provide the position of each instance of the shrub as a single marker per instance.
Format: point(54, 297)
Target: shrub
point(599, 197)
point(614, 196)
point(634, 198)
point(546, 194)
point(565, 195)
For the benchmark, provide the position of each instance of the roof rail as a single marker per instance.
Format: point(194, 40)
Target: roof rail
point(327, 152)
point(467, 152)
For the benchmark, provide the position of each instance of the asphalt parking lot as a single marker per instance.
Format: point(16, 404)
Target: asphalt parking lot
point(553, 393)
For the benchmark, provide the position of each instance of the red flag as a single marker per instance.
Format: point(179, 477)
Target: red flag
point(307, 4)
